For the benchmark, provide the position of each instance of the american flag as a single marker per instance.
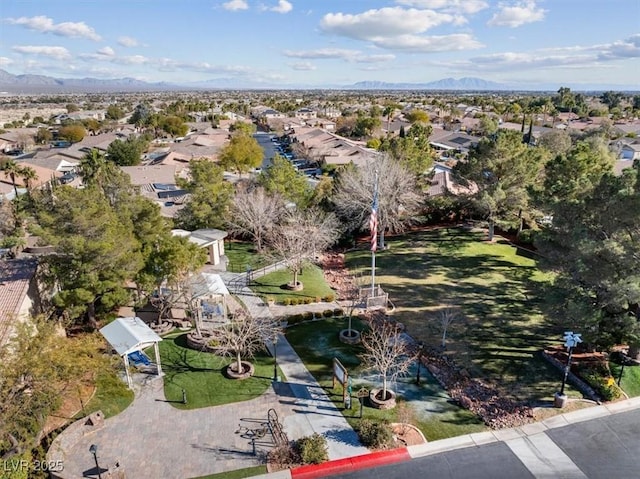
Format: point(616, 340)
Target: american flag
point(373, 223)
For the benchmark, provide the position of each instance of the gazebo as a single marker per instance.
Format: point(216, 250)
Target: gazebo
point(212, 294)
point(129, 336)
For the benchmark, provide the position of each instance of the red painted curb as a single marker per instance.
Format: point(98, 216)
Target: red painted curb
point(380, 458)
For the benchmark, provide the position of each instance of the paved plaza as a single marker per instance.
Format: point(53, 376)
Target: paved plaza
point(151, 438)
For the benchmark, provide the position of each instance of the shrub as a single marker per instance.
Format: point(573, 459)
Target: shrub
point(308, 300)
point(284, 456)
point(295, 301)
point(307, 316)
point(313, 449)
point(604, 386)
point(318, 299)
point(376, 434)
point(286, 301)
point(329, 298)
point(295, 319)
point(338, 312)
point(328, 313)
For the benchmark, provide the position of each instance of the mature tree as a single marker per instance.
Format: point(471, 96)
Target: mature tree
point(73, 133)
point(127, 152)
point(365, 126)
point(611, 98)
point(244, 336)
point(389, 110)
point(210, 196)
point(243, 127)
point(386, 353)
point(12, 170)
point(114, 112)
point(593, 245)
point(43, 136)
point(501, 169)
point(37, 367)
point(300, 237)
point(254, 213)
point(398, 199)
point(412, 148)
point(173, 125)
point(558, 142)
point(169, 260)
point(417, 116)
point(111, 181)
point(282, 179)
point(95, 251)
point(488, 125)
point(241, 154)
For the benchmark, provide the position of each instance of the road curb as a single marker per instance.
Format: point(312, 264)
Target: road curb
point(350, 464)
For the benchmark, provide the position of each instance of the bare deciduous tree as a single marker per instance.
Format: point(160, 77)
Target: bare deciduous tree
point(386, 353)
point(244, 336)
point(301, 236)
point(447, 315)
point(254, 213)
point(398, 199)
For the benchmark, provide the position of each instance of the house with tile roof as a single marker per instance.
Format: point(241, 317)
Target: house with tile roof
point(19, 296)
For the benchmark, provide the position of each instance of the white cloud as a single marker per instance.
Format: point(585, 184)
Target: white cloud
point(66, 29)
point(385, 22)
point(517, 14)
point(453, 6)
point(59, 53)
point(302, 66)
point(283, 7)
point(106, 51)
point(591, 56)
point(322, 53)
point(354, 56)
point(235, 5)
point(5, 61)
point(429, 44)
point(128, 42)
point(381, 58)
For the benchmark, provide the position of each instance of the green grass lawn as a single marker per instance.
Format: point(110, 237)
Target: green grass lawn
point(112, 395)
point(242, 254)
point(317, 344)
point(272, 285)
point(498, 290)
point(201, 375)
point(237, 474)
point(630, 383)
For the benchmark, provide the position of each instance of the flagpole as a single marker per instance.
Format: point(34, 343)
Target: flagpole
point(374, 234)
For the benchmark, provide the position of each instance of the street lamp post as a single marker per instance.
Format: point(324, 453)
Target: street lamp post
point(420, 348)
point(275, 358)
point(571, 340)
point(93, 449)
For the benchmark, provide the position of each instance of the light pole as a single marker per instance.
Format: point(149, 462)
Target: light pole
point(275, 358)
point(571, 340)
point(420, 348)
point(93, 449)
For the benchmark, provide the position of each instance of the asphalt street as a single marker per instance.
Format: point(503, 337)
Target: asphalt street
point(603, 448)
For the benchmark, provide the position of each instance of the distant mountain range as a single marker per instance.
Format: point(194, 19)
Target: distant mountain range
point(31, 84)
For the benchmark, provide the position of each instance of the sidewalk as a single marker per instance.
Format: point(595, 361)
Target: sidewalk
point(314, 410)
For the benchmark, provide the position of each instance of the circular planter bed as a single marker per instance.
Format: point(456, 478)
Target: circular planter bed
point(247, 370)
point(298, 286)
point(201, 343)
point(349, 336)
point(407, 434)
point(163, 328)
point(378, 402)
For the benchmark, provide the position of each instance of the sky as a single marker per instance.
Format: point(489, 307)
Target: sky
point(315, 43)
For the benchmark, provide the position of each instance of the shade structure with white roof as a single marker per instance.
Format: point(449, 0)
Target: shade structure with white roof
point(128, 335)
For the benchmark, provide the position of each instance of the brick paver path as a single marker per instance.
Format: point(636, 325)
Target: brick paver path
point(152, 439)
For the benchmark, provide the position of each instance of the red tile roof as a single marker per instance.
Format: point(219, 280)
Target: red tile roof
point(15, 276)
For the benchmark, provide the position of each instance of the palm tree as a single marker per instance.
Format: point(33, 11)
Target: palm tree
point(92, 167)
point(28, 175)
point(11, 169)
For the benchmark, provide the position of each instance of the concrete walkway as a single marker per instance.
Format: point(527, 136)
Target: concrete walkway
point(314, 410)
